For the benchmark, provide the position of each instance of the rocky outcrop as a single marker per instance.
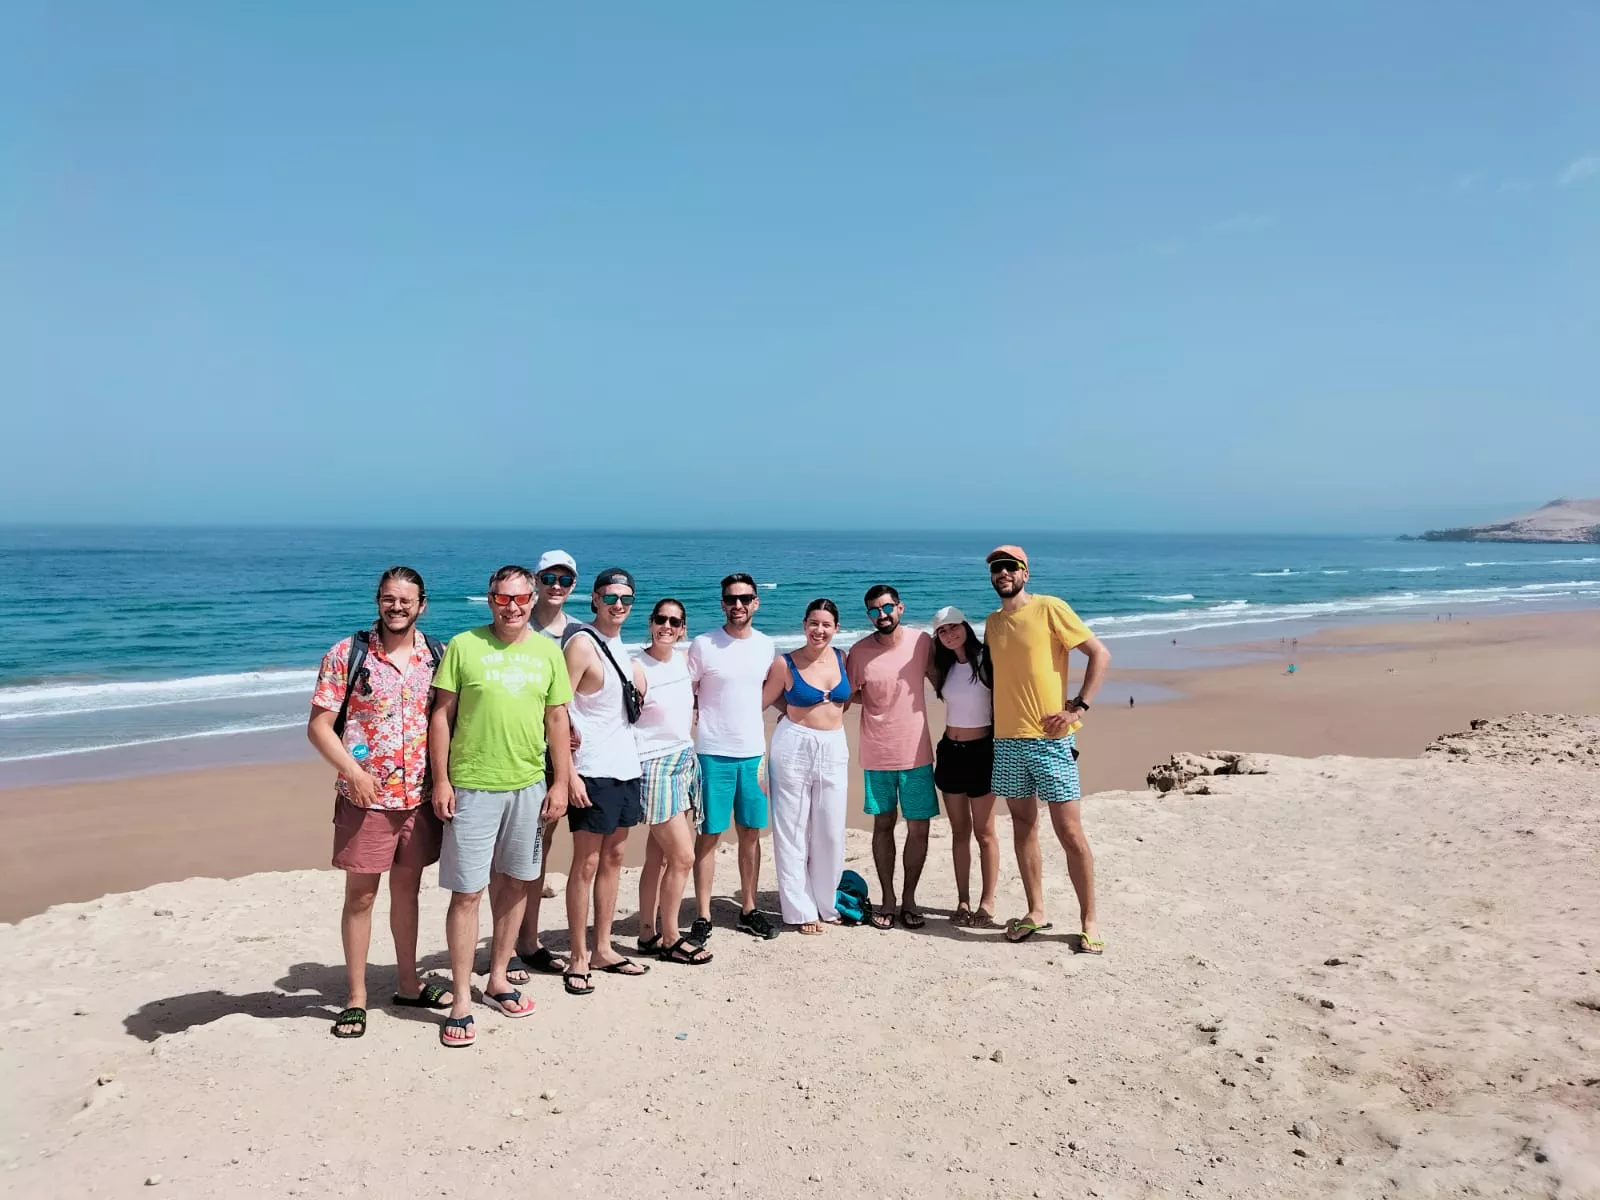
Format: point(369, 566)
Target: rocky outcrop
point(1183, 770)
point(1530, 739)
point(1569, 521)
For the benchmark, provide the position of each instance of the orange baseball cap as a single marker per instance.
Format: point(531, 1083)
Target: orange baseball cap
point(1016, 552)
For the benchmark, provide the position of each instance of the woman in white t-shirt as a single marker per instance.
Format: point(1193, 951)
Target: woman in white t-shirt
point(663, 734)
point(961, 678)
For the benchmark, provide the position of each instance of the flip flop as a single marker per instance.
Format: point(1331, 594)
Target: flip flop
point(912, 919)
point(962, 914)
point(543, 962)
point(431, 996)
point(1088, 945)
point(505, 1001)
point(1020, 929)
point(626, 967)
point(461, 1023)
point(517, 972)
point(351, 1016)
point(566, 981)
point(881, 919)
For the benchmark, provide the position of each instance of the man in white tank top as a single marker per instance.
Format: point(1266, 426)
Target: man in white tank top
point(605, 802)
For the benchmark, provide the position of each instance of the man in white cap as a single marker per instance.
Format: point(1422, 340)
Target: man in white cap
point(553, 580)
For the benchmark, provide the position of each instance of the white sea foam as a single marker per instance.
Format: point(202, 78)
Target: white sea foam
point(64, 699)
point(220, 731)
point(768, 586)
point(1174, 598)
point(1270, 574)
point(1336, 572)
point(1409, 570)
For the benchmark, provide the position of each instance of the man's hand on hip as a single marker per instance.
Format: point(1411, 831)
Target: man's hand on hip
point(1057, 723)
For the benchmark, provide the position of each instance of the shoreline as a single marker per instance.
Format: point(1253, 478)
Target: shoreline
point(1381, 691)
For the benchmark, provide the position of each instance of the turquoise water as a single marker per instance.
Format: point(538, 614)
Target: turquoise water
point(131, 637)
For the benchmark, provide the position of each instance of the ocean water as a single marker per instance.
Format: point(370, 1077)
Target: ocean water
point(119, 639)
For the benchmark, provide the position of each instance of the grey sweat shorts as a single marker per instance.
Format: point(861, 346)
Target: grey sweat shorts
point(492, 830)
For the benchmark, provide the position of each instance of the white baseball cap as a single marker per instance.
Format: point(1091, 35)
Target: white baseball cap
point(556, 558)
point(949, 615)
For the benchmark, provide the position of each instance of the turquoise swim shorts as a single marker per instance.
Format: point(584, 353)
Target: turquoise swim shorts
point(912, 792)
point(730, 790)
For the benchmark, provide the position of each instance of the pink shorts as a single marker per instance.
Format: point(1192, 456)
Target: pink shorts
point(370, 841)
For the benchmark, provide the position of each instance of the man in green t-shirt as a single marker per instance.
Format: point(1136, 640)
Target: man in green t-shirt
point(500, 696)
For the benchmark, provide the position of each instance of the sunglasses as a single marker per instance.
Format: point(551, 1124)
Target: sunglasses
point(551, 579)
point(611, 600)
point(883, 610)
point(732, 600)
point(504, 598)
point(663, 619)
point(1000, 565)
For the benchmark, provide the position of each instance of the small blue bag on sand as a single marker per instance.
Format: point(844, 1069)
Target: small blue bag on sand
point(851, 899)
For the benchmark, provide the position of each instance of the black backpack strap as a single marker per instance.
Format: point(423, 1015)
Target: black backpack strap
point(435, 648)
point(352, 665)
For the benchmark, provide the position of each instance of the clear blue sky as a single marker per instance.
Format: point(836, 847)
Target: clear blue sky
point(1213, 265)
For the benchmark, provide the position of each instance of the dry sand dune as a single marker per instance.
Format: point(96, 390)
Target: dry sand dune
point(1345, 977)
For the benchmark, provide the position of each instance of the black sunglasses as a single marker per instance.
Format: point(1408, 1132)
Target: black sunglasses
point(551, 579)
point(663, 619)
point(611, 600)
point(1004, 564)
point(732, 598)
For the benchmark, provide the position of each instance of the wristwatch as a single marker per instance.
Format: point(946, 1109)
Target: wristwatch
point(1078, 704)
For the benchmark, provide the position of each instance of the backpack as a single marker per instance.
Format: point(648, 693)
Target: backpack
point(851, 900)
point(358, 656)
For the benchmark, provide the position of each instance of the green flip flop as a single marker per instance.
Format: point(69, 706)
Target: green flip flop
point(1020, 929)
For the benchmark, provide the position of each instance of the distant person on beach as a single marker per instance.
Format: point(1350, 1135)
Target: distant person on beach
point(729, 666)
point(1035, 724)
point(888, 673)
point(553, 580)
point(965, 760)
point(664, 735)
point(606, 798)
point(382, 820)
point(500, 697)
point(809, 768)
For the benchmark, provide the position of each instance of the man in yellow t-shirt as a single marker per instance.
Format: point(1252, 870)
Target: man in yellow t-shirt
point(1028, 641)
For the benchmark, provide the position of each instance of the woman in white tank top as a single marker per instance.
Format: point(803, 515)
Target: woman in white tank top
point(965, 759)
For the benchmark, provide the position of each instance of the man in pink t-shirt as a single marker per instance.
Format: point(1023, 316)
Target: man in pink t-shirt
point(888, 671)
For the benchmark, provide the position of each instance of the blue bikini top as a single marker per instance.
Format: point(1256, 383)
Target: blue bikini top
point(803, 695)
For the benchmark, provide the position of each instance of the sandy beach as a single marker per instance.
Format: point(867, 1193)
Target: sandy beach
point(1374, 690)
point(1345, 977)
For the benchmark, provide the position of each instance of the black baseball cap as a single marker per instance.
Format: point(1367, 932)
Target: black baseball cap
point(613, 575)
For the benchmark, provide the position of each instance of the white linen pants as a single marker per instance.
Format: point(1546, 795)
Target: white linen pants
point(810, 777)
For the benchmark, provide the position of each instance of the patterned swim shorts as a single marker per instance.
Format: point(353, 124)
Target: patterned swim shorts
point(1042, 767)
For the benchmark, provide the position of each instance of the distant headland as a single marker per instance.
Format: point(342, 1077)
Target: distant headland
point(1558, 521)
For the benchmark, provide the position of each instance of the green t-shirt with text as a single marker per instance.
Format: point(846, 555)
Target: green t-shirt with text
point(502, 690)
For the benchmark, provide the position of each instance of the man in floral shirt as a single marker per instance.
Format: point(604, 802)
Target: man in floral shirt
point(382, 818)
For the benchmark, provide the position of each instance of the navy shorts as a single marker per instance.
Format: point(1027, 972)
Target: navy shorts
point(613, 804)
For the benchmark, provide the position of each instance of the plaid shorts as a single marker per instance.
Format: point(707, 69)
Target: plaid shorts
point(1042, 767)
point(671, 785)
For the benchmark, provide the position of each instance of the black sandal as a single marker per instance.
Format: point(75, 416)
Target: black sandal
point(431, 996)
point(543, 962)
point(351, 1016)
point(686, 952)
point(651, 944)
point(566, 981)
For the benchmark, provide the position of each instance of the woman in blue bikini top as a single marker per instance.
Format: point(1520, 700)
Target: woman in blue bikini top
point(818, 702)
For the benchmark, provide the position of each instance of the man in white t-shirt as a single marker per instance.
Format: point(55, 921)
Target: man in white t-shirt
point(729, 666)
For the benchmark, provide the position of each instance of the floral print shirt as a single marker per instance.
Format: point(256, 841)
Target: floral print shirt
point(388, 715)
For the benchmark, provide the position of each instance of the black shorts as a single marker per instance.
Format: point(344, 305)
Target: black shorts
point(614, 804)
point(964, 768)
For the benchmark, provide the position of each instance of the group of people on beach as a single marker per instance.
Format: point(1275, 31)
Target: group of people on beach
point(469, 753)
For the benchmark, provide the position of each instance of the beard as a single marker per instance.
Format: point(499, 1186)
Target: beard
point(1006, 590)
